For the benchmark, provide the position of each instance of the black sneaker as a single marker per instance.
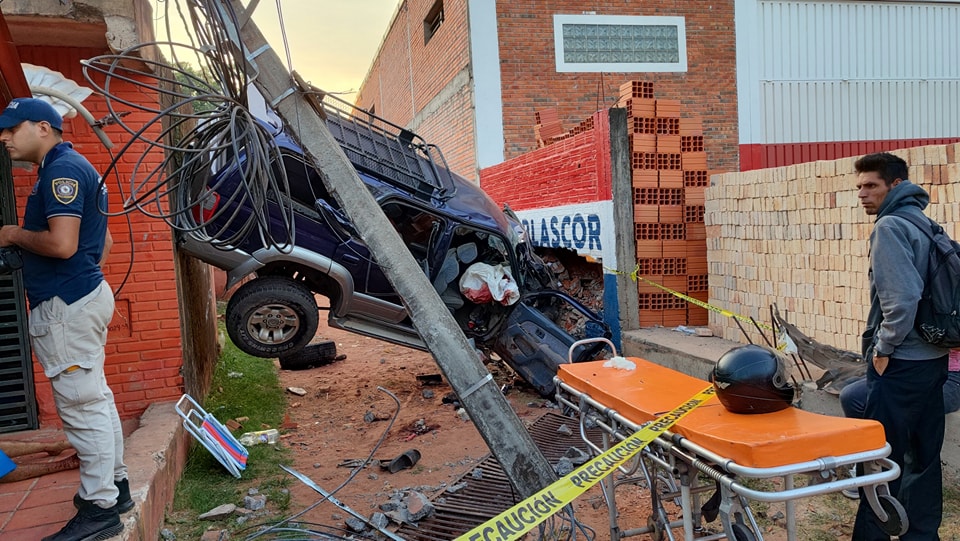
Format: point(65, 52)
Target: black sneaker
point(124, 502)
point(91, 523)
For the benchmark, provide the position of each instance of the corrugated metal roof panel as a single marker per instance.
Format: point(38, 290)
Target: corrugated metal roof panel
point(852, 71)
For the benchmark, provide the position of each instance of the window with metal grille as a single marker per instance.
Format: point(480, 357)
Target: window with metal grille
point(594, 43)
point(433, 20)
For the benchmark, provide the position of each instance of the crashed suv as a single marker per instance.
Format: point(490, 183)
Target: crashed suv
point(472, 252)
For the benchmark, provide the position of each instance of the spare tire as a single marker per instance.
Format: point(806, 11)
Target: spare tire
point(271, 316)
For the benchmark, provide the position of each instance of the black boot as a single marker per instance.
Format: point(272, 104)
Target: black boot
point(124, 502)
point(91, 523)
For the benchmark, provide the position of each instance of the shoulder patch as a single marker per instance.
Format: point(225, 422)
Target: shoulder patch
point(65, 190)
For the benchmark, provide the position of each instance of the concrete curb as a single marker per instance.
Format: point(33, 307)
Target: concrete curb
point(155, 453)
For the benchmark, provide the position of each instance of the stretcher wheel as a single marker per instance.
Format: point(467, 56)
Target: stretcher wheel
point(742, 533)
point(656, 529)
point(896, 523)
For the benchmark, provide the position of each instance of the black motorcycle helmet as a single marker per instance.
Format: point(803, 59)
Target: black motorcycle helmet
point(752, 379)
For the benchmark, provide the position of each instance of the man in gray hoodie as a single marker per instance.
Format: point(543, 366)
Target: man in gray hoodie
point(905, 374)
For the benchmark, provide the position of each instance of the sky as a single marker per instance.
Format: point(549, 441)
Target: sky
point(331, 42)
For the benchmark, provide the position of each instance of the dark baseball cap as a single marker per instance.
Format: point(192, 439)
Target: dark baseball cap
point(32, 109)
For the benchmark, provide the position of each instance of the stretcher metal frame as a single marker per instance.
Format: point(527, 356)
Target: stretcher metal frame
point(671, 465)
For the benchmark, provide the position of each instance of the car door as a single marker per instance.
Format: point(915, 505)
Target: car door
point(534, 345)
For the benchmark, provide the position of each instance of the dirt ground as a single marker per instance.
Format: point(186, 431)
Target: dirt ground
point(343, 415)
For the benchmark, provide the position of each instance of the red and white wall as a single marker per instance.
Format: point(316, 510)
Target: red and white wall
point(562, 195)
point(824, 80)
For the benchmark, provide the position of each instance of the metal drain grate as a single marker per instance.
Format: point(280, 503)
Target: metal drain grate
point(489, 495)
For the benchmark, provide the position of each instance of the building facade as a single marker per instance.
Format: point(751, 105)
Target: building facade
point(775, 82)
point(475, 83)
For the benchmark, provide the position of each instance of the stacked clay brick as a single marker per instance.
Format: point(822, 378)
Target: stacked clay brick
point(669, 180)
point(549, 130)
point(798, 238)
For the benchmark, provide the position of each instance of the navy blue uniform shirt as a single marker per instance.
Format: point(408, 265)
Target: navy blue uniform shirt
point(67, 185)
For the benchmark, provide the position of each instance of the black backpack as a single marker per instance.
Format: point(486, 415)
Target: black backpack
point(938, 313)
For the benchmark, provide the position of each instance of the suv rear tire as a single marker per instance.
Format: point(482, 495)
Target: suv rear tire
point(270, 316)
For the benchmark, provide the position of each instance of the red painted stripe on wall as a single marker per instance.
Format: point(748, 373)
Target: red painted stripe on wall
point(760, 156)
point(569, 171)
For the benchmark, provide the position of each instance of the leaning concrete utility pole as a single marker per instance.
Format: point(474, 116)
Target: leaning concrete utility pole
point(499, 425)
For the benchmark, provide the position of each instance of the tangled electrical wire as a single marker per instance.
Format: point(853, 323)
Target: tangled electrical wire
point(290, 528)
point(216, 179)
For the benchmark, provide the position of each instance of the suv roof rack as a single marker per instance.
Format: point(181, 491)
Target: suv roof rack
point(392, 153)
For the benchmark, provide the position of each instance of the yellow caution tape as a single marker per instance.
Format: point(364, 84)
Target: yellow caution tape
point(637, 278)
point(526, 515)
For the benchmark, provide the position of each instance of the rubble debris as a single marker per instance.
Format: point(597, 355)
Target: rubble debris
point(355, 525)
point(255, 503)
point(579, 278)
point(417, 428)
point(563, 467)
point(577, 456)
point(379, 521)
point(452, 489)
point(418, 506)
point(407, 507)
point(219, 512)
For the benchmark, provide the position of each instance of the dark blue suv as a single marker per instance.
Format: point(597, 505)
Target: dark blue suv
point(304, 245)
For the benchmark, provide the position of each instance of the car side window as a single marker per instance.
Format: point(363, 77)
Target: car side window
point(416, 227)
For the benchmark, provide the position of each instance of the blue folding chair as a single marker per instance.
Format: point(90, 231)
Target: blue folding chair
point(215, 437)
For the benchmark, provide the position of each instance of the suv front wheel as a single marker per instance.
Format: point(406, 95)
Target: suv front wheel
point(270, 316)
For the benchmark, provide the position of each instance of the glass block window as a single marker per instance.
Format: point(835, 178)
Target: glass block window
point(594, 43)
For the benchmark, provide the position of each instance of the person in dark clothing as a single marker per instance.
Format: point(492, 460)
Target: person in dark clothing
point(905, 374)
point(853, 397)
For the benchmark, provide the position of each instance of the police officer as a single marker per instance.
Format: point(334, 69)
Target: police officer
point(63, 239)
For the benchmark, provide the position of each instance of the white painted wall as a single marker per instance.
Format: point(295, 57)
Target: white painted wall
point(487, 98)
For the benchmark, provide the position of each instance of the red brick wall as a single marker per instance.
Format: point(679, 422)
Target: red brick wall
point(144, 345)
point(407, 75)
point(574, 170)
point(530, 82)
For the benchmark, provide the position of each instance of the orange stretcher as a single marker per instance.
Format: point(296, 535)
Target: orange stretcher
point(726, 447)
